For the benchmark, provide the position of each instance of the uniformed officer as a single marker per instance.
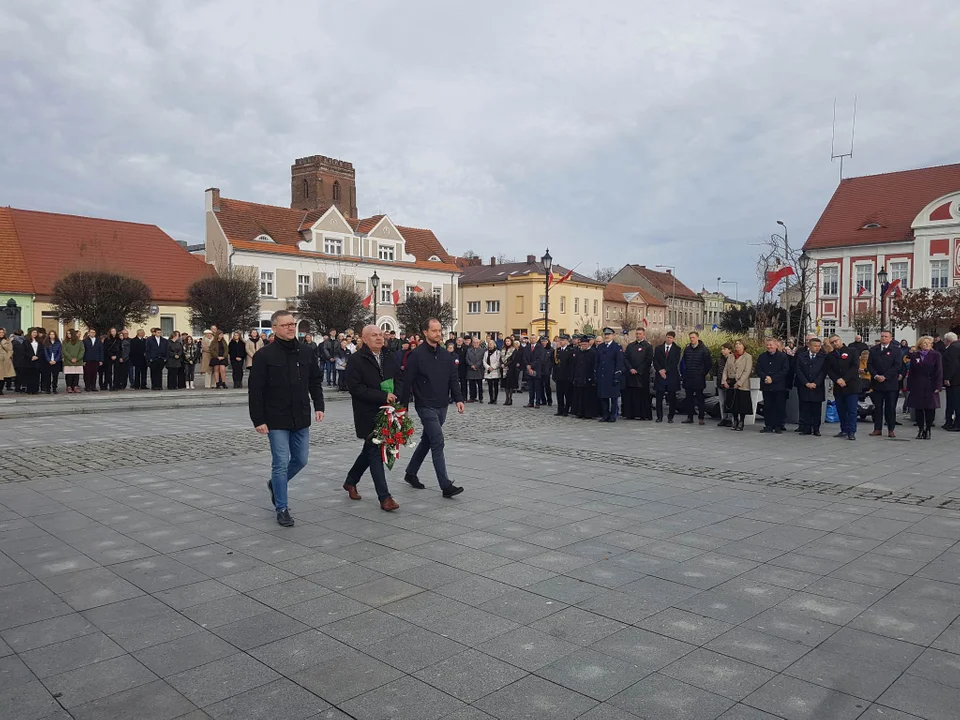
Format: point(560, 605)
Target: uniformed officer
point(609, 360)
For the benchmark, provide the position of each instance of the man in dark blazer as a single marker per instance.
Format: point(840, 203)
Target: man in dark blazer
point(609, 359)
point(368, 370)
point(92, 360)
point(885, 365)
point(666, 364)
point(138, 361)
point(843, 367)
point(809, 375)
point(562, 369)
point(637, 359)
point(696, 365)
point(951, 381)
point(156, 358)
point(772, 369)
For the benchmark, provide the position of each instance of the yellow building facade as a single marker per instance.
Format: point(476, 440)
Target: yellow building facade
point(510, 298)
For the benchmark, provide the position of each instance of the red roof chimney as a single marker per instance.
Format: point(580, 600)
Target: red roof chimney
point(531, 259)
point(213, 199)
point(669, 272)
point(493, 260)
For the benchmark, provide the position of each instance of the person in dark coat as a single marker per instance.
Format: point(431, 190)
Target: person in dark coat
point(696, 361)
point(533, 360)
point(843, 367)
point(32, 362)
point(112, 352)
point(585, 381)
point(460, 350)
point(138, 361)
point(92, 360)
point(609, 359)
point(885, 365)
point(951, 381)
point(546, 367)
point(772, 369)
point(810, 375)
point(924, 383)
point(156, 358)
point(858, 345)
point(17, 358)
point(562, 367)
point(666, 364)
point(373, 379)
point(637, 358)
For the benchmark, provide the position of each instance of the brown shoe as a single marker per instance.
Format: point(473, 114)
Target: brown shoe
point(389, 504)
point(352, 491)
point(876, 433)
point(891, 434)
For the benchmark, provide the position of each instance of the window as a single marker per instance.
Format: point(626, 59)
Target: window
point(594, 307)
point(864, 278)
point(333, 246)
point(438, 294)
point(333, 282)
point(543, 303)
point(563, 304)
point(830, 280)
point(517, 332)
point(576, 305)
point(266, 284)
point(829, 328)
point(303, 285)
point(360, 286)
point(899, 271)
point(607, 312)
point(473, 307)
point(385, 252)
point(386, 293)
point(336, 191)
point(493, 306)
point(409, 291)
point(306, 189)
point(586, 306)
point(939, 277)
point(166, 325)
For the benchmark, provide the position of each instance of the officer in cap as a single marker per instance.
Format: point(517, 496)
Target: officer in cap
point(609, 375)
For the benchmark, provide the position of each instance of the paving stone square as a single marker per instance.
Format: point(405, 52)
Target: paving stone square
point(592, 572)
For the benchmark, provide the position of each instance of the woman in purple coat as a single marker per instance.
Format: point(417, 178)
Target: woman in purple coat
point(924, 382)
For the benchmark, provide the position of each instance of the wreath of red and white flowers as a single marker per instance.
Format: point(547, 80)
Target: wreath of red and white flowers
point(392, 430)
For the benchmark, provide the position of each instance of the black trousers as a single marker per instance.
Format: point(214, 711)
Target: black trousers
point(493, 389)
point(31, 380)
point(173, 378)
point(697, 403)
point(774, 408)
point(49, 377)
point(925, 418)
point(671, 402)
point(156, 374)
point(463, 386)
point(952, 411)
point(546, 392)
point(587, 402)
point(809, 411)
point(105, 374)
point(476, 389)
point(237, 367)
point(535, 391)
point(884, 408)
point(563, 397)
point(371, 458)
point(140, 374)
point(121, 374)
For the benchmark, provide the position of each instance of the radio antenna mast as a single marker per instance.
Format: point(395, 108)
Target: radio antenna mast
point(853, 132)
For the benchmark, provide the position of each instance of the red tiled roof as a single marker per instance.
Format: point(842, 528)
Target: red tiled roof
point(55, 245)
point(614, 292)
point(15, 277)
point(666, 283)
point(891, 200)
point(474, 274)
point(243, 221)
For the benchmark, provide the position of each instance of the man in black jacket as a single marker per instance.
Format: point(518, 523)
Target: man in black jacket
point(636, 361)
point(369, 370)
point(772, 369)
point(951, 381)
point(156, 358)
point(885, 365)
point(284, 377)
point(431, 377)
point(858, 346)
point(843, 367)
point(666, 363)
point(138, 361)
point(562, 357)
point(696, 365)
point(810, 372)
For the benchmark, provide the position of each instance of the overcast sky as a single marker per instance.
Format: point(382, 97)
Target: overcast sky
point(612, 131)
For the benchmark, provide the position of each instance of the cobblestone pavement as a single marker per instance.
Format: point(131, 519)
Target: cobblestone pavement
point(589, 571)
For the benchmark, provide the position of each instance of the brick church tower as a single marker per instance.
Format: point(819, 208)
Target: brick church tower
point(319, 182)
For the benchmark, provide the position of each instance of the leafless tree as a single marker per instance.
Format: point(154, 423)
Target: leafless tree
point(101, 300)
point(230, 301)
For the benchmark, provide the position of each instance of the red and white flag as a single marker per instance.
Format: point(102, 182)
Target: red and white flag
point(367, 300)
point(775, 276)
point(417, 288)
point(893, 286)
point(563, 279)
point(645, 323)
point(396, 297)
point(860, 291)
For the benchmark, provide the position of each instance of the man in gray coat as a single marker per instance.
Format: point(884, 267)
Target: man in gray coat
point(474, 359)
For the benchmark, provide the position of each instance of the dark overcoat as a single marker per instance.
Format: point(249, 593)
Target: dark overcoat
point(811, 370)
point(888, 363)
point(924, 380)
point(696, 364)
point(364, 376)
point(671, 364)
point(638, 356)
point(609, 369)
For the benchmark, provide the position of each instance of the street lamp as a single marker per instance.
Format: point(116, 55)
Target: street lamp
point(547, 266)
point(804, 263)
point(673, 297)
point(375, 282)
point(736, 287)
point(882, 282)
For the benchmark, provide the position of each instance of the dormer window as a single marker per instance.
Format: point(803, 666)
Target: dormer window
point(385, 252)
point(263, 237)
point(434, 258)
point(871, 226)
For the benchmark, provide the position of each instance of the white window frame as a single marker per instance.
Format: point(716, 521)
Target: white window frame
point(173, 325)
point(303, 284)
point(543, 303)
point(829, 328)
point(865, 269)
point(595, 310)
point(409, 292)
point(563, 304)
point(386, 293)
point(900, 270)
point(437, 293)
point(940, 280)
point(493, 307)
point(576, 306)
point(333, 281)
point(387, 253)
point(267, 287)
point(332, 246)
point(834, 280)
point(473, 307)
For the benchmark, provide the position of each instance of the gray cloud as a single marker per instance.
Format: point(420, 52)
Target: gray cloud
point(614, 131)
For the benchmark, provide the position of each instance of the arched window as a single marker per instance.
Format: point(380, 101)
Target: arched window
point(306, 189)
point(336, 191)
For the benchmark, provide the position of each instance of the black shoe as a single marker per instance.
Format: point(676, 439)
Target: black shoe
point(816, 433)
point(852, 436)
point(765, 430)
point(413, 481)
point(688, 421)
point(670, 420)
point(843, 435)
point(801, 430)
point(284, 518)
point(659, 420)
point(273, 498)
point(920, 434)
point(451, 491)
point(778, 431)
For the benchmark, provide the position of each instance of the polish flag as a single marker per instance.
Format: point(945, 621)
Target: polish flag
point(895, 285)
point(775, 276)
point(861, 291)
point(645, 323)
point(417, 288)
point(563, 279)
point(396, 297)
point(367, 300)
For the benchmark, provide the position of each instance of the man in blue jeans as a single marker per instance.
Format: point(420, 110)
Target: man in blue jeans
point(284, 377)
point(843, 367)
point(431, 376)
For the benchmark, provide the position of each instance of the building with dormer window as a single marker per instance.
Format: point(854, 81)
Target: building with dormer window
point(319, 240)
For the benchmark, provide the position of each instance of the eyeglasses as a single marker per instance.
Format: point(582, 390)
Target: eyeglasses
point(287, 325)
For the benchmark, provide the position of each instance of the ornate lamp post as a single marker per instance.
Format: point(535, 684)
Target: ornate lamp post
point(547, 266)
point(375, 282)
point(882, 283)
point(804, 263)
